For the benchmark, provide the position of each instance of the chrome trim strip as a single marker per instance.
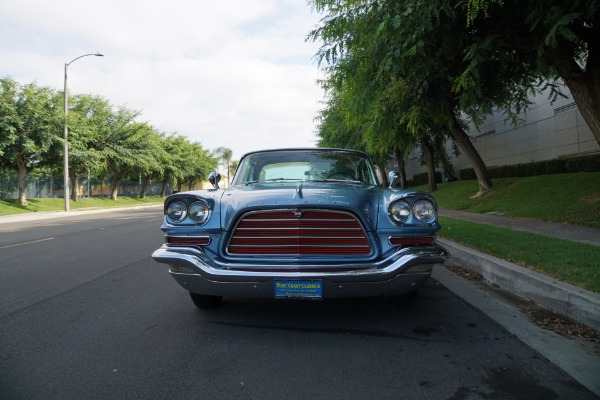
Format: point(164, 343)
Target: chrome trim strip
point(303, 219)
point(341, 246)
point(217, 270)
point(300, 229)
point(304, 237)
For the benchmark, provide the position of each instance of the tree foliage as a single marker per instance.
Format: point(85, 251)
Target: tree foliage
point(546, 39)
point(397, 71)
point(103, 139)
point(29, 124)
point(224, 154)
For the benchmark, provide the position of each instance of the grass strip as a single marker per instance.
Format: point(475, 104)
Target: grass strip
point(571, 262)
point(571, 198)
point(8, 207)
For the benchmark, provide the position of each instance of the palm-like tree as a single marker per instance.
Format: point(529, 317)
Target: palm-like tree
point(224, 154)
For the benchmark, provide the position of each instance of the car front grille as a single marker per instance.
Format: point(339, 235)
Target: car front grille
point(294, 232)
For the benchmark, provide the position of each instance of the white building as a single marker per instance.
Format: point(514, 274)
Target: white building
point(548, 131)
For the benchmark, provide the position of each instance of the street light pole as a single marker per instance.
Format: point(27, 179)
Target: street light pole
point(66, 131)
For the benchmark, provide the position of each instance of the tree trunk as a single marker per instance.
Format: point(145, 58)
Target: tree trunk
point(466, 146)
point(428, 154)
point(163, 188)
point(51, 183)
point(384, 178)
point(118, 176)
point(75, 186)
point(114, 189)
point(400, 159)
point(21, 174)
point(145, 183)
point(583, 82)
point(584, 85)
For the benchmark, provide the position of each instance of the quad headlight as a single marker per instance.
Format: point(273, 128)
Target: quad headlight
point(176, 211)
point(401, 211)
point(199, 212)
point(424, 210)
point(179, 210)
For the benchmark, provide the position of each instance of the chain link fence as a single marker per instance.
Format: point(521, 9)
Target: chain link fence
point(41, 185)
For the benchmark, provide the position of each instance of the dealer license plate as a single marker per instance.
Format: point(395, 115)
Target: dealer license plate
point(312, 290)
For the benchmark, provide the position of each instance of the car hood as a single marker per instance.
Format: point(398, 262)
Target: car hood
point(362, 200)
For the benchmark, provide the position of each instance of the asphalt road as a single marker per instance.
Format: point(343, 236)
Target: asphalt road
point(86, 314)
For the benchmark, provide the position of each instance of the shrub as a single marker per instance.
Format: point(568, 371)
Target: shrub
point(422, 179)
point(590, 163)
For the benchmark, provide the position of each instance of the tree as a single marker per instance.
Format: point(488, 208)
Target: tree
point(174, 165)
point(224, 154)
point(154, 168)
point(419, 49)
point(124, 145)
point(87, 116)
point(548, 39)
point(233, 166)
point(29, 123)
point(199, 162)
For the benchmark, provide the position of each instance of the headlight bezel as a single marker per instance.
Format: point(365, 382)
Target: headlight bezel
point(206, 213)
point(170, 213)
point(180, 210)
point(419, 210)
point(397, 215)
point(429, 214)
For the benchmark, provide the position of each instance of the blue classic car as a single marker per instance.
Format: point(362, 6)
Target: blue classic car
point(300, 224)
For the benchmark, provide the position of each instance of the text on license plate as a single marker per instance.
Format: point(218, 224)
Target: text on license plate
point(299, 289)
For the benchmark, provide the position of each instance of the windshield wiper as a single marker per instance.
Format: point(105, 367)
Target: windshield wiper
point(272, 180)
point(338, 181)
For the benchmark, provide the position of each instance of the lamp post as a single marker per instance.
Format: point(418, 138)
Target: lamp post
point(66, 132)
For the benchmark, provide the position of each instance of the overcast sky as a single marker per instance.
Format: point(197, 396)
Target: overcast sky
point(234, 73)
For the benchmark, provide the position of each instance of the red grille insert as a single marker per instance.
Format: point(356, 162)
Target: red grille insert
point(411, 241)
point(298, 233)
point(189, 240)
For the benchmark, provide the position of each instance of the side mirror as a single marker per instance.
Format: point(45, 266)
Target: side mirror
point(393, 178)
point(214, 178)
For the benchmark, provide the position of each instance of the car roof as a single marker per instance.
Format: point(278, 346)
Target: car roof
point(324, 149)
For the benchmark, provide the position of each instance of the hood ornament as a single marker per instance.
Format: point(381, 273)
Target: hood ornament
point(298, 193)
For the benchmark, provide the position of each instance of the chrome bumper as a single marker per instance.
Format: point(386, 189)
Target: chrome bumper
point(400, 273)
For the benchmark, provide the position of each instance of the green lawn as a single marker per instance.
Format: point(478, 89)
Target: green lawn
point(571, 198)
point(575, 263)
point(34, 205)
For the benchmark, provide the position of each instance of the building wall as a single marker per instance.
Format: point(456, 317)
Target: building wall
point(548, 131)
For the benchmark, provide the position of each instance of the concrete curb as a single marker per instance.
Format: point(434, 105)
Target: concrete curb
point(576, 303)
point(576, 357)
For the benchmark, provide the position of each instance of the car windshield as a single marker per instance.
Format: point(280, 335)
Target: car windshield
point(305, 165)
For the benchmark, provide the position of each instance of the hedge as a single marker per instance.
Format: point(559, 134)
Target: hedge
point(589, 163)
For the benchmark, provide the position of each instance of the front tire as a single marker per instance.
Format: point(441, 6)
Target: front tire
point(204, 301)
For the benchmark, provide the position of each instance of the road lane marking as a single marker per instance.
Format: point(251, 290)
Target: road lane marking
point(24, 243)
